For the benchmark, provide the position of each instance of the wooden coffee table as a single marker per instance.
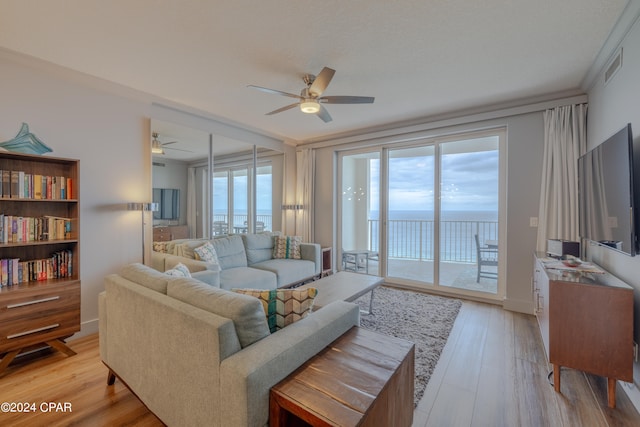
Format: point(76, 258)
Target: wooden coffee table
point(343, 286)
point(361, 379)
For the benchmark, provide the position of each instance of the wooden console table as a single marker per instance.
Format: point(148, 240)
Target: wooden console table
point(361, 379)
point(170, 232)
point(586, 322)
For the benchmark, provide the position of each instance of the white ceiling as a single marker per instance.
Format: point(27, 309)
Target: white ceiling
point(418, 58)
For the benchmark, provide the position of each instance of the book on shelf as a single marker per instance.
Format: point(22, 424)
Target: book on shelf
point(6, 183)
point(37, 186)
point(15, 184)
point(23, 185)
point(58, 266)
point(17, 229)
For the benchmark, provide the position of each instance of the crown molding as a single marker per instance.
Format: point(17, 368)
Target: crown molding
point(614, 41)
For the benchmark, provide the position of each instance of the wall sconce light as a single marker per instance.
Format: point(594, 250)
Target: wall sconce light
point(143, 207)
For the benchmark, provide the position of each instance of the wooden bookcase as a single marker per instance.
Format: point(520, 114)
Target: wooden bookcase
point(47, 310)
point(586, 322)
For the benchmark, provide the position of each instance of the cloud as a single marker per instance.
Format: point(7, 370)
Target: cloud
point(469, 182)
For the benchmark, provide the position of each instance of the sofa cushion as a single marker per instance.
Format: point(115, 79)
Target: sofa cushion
point(288, 271)
point(287, 247)
point(246, 312)
point(259, 246)
point(146, 276)
point(179, 270)
point(230, 251)
point(247, 277)
point(283, 307)
point(206, 253)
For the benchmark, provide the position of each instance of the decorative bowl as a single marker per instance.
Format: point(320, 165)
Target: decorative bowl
point(571, 262)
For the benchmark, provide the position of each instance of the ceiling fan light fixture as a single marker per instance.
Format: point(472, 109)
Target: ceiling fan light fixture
point(309, 106)
point(156, 146)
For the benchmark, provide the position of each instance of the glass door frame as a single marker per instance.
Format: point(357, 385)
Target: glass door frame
point(383, 152)
point(340, 206)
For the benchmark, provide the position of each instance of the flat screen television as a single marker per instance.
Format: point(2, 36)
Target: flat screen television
point(168, 200)
point(607, 202)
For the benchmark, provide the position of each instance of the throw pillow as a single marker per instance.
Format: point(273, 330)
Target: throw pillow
point(206, 253)
point(160, 247)
point(180, 270)
point(287, 247)
point(283, 307)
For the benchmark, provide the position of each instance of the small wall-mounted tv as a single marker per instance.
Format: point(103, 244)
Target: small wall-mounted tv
point(607, 201)
point(168, 200)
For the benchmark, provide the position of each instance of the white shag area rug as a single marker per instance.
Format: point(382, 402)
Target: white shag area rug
point(423, 319)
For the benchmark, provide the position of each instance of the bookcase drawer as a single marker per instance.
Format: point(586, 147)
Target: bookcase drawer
point(38, 314)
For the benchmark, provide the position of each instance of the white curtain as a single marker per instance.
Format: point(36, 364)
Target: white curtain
point(305, 162)
point(191, 201)
point(565, 140)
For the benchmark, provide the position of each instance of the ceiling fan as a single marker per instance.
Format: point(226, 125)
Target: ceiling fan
point(158, 147)
point(310, 99)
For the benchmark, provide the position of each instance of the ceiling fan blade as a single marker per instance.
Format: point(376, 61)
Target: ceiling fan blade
point(280, 110)
point(168, 143)
point(321, 82)
point(324, 114)
point(347, 99)
point(275, 92)
point(179, 149)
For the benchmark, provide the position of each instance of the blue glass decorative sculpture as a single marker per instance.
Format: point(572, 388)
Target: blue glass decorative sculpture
point(26, 142)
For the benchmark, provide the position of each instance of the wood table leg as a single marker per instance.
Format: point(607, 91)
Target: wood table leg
point(7, 359)
point(276, 413)
point(611, 392)
point(60, 346)
point(556, 377)
point(111, 378)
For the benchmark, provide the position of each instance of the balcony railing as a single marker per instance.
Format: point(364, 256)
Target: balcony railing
point(414, 239)
point(221, 224)
point(408, 239)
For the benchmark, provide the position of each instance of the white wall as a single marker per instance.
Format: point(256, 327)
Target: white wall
point(106, 133)
point(525, 139)
point(611, 107)
point(106, 127)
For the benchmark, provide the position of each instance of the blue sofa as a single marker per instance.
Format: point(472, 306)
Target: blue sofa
point(245, 261)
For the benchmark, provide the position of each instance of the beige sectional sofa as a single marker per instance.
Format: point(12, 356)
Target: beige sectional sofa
point(197, 355)
point(245, 261)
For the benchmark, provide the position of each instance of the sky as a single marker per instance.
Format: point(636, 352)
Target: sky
point(469, 182)
point(263, 195)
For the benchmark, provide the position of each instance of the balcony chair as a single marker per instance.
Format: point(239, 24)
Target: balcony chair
point(259, 226)
point(487, 257)
point(220, 228)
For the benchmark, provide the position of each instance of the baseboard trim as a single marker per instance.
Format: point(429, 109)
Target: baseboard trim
point(86, 328)
point(633, 393)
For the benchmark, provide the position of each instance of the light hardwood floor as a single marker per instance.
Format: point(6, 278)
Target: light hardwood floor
point(492, 373)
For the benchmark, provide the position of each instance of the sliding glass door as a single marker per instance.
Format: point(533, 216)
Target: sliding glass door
point(469, 195)
point(425, 213)
point(410, 214)
point(232, 198)
point(360, 213)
